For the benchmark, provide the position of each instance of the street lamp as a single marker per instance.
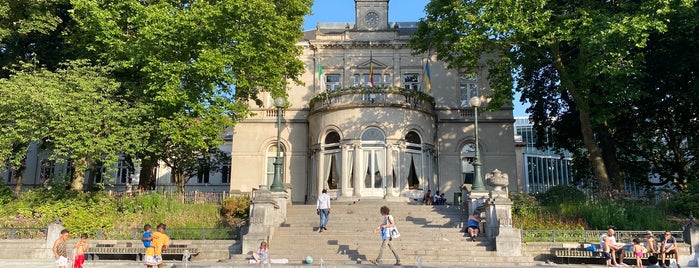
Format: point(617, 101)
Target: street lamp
point(277, 185)
point(478, 179)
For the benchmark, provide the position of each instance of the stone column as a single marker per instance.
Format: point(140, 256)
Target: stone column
point(262, 219)
point(52, 234)
point(344, 173)
point(355, 167)
point(508, 240)
point(390, 190)
point(691, 236)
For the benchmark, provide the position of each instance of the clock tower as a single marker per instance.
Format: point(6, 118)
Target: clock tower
point(371, 15)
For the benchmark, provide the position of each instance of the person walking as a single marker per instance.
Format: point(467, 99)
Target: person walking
point(323, 210)
point(160, 243)
point(60, 249)
point(387, 224)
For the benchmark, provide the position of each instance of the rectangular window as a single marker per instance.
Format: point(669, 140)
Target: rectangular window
point(468, 88)
point(203, 172)
point(411, 81)
point(332, 82)
point(123, 172)
point(98, 170)
point(9, 175)
point(357, 80)
point(47, 169)
point(226, 172)
point(386, 82)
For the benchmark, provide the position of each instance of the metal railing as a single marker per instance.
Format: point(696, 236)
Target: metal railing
point(588, 236)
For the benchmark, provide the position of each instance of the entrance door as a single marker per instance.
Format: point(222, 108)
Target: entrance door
point(373, 168)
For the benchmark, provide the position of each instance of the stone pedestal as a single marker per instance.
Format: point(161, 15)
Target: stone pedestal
point(262, 219)
point(475, 200)
point(509, 241)
point(691, 231)
point(52, 234)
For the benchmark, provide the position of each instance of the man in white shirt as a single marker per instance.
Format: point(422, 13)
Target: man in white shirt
point(608, 241)
point(323, 210)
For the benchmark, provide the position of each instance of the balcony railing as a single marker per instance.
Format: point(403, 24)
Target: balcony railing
point(377, 97)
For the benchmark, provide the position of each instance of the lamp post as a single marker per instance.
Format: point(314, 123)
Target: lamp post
point(478, 178)
point(277, 185)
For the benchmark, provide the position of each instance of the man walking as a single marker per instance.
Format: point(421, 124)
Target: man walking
point(323, 210)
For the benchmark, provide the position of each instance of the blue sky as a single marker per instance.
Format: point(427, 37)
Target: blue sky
point(398, 11)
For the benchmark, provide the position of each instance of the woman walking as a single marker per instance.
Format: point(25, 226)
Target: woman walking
point(387, 226)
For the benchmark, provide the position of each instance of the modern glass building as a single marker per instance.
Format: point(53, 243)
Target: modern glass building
point(543, 168)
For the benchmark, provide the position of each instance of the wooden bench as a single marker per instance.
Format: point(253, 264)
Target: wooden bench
point(110, 248)
point(582, 253)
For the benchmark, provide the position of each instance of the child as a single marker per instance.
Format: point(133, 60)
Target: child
point(147, 236)
point(261, 253)
point(80, 249)
point(607, 254)
point(638, 252)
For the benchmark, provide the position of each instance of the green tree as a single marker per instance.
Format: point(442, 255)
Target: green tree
point(565, 56)
point(72, 112)
point(194, 63)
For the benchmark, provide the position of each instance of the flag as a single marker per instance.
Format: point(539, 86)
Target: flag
point(371, 74)
point(426, 76)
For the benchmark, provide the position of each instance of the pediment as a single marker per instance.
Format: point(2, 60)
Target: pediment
point(375, 63)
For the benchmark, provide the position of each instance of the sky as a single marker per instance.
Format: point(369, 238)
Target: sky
point(398, 11)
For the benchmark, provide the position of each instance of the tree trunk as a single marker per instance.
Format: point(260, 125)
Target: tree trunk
point(146, 178)
point(596, 160)
point(610, 157)
point(18, 177)
point(78, 181)
point(179, 180)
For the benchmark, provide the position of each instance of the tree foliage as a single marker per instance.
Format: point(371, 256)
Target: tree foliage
point(581, 62)
point(180, 72)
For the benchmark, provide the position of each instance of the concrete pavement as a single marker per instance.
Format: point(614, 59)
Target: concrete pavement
point(118, 264)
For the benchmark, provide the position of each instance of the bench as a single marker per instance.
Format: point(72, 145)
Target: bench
point(582, 253)
point(176, 250)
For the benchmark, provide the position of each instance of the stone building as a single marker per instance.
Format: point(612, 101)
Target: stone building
point(372, 120)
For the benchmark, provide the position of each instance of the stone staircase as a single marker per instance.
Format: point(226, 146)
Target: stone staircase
point(431, 234)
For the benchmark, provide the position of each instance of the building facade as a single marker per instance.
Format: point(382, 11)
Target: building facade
point(540, 169)
point(372, 120)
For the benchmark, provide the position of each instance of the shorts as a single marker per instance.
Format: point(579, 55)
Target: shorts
point(607, 255)
point(152, 260)
point(62, 261)
point(639, 254)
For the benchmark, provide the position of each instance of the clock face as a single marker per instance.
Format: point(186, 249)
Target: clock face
point(371, 19)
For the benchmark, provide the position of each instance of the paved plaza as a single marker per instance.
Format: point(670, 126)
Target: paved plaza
point(110, 264)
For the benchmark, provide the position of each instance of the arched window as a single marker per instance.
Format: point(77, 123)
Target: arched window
point(468, 155)
point(332, 163)
point(414, 158)
point(271, 157)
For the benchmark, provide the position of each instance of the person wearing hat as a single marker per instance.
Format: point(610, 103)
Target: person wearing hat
point(651, 243)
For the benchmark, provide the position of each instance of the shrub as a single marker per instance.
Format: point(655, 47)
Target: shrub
point(561, 194)
point(234, 209)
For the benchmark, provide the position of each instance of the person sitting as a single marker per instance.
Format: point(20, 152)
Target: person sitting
point(472, 225)
point(668, 245)
point(261, 253)
point(442, 199)
point(427, 199)
point(437, 199)
point(650, 242)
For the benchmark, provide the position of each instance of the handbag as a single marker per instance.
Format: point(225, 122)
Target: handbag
point(394, 232)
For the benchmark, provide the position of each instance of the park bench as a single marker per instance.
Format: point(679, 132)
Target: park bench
point(565, 254)
point(111, 248)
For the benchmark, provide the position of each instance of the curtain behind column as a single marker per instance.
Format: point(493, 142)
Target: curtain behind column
point(327, 160)
point(417, 161)
point(381, 164)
